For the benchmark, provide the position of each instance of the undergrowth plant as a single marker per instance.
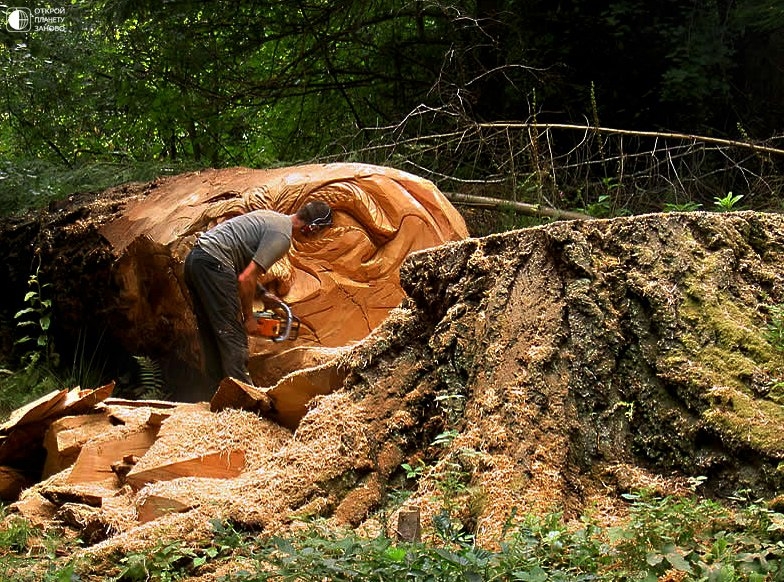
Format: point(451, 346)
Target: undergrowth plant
point(684, 538)
point(20, 384)
point(689, 206)
point(728, 203)
point(35, 319)
point(40, 369)
point(775, 327)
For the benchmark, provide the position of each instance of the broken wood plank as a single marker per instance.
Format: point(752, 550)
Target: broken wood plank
point(55, 404)
point(290, 397)
point(66, 436)
point(22, 447)
point(152, 507)
point(134, 415)
point(35, 508)
point(216, 465)
point(60, 496)
point(165, 404)
point(157, 418)
point(94, 462)
point(34, 411)
point(80, 401)
point(233, 393)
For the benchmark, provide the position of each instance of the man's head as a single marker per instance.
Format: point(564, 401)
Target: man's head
point(314, 216)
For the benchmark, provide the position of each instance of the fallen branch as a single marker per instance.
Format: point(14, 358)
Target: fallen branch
point(631, 132)
point(536, 210)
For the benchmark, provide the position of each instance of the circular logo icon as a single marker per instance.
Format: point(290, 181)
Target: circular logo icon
point(18, 19)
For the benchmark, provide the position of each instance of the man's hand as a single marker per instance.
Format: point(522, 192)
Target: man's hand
point(247, 289)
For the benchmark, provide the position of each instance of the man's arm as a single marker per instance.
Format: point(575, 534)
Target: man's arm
point(247, 290)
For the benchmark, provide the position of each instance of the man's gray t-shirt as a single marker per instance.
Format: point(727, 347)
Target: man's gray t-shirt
point(263, 236)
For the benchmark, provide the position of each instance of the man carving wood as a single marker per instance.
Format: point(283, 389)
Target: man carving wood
point(221, 272)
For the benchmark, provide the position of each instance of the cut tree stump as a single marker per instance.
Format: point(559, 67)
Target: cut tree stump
point(409, 526)
point(105, 252)
point(214, 465)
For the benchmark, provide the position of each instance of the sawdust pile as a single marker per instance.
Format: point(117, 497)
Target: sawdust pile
point(547, 369)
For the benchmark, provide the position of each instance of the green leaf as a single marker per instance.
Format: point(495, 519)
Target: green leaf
point(396, 554)
point(678, 562)
point(536, 574)
point(24, 311)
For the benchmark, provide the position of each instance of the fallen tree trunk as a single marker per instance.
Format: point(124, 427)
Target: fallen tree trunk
point(536, 210)
point(114, 261)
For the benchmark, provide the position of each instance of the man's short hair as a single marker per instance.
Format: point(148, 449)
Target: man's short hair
point(316, 213)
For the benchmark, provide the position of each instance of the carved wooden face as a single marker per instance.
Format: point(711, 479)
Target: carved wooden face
point(342, 282)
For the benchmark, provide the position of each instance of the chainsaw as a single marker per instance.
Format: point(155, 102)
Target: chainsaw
point(278, 323)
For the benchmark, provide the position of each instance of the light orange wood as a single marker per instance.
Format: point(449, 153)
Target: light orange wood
point(215, 465)
point(157, 418)
point(57, 403)
point(35, 508)
point(154, 506)
point(66, 436)
point(290, 397)
point(37, 410)
point(137, 415)
point(165, 404)
point(233, 393)
point(81, 401)
point(341, 285)
point(95, 460)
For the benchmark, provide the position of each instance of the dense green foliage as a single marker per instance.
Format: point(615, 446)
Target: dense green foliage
point(684, 537)
point(216, 83)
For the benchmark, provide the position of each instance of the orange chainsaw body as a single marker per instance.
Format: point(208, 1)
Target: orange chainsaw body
point(277, 327)
point(269, 325)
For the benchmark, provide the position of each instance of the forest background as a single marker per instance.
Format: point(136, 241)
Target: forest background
point(572, 104)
